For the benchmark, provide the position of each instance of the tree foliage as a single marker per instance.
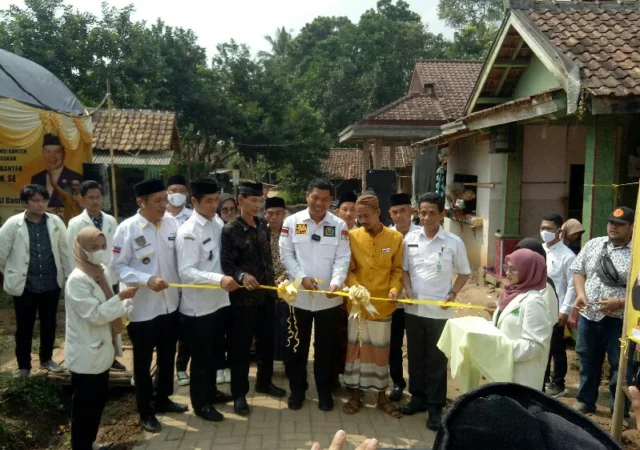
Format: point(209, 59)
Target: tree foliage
point(275, 115)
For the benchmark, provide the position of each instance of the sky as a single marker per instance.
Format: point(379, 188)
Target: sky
point(247, 21)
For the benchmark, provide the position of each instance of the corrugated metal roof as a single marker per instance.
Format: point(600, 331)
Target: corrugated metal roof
point(144, 158)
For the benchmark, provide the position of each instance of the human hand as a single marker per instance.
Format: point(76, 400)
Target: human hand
point(250, 282)
point(128, 293)
point(229, 284)
point(580, 303)
point(309, 284)
point(157, 284)
point(341, 437)
point(635, 402)
point(393, 296)
point(609, 305)
point(333, 288)
point(562, 320)
point(449, 298)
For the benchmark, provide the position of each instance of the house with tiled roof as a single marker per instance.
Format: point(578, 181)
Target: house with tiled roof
point(551, 124)
point(437, 94)
point(143, 142)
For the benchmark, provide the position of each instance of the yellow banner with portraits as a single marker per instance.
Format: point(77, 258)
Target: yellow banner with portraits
point(25, 160)
point(633, 287)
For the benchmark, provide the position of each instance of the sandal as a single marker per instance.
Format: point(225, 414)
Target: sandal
point(390, 409)
point(352, 406)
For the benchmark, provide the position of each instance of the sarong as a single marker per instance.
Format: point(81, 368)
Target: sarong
point(367, 366)
point(340, 348)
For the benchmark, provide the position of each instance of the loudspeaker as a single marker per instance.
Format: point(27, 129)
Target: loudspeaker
point(383, 184)
point(99, 173)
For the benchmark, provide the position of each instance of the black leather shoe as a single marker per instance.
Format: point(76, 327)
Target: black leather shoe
point(295, 401)
point(396, 393)
point(412, 408)
point(117, 366)
point(169, 406)
point(240, 406)
point(272, 390)
point(150, 424)
point(222, 397)
point(211, 414)
point(325, 402)
point(434, 420)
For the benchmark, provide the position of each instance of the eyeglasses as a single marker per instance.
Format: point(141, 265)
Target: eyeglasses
point(228, 210)
point(506, 268)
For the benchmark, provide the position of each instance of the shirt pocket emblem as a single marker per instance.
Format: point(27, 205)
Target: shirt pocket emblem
point(140, 241)
point(329, 231)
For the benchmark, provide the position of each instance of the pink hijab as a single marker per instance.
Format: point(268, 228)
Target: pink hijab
point(532, 275)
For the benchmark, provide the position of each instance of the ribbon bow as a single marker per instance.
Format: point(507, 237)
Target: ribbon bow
point(359, 302)
point(288, 292)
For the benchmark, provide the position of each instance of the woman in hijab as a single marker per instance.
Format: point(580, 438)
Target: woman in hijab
point(523, 316)
point(227, 207)
point(93, 324)
point(227, 210)
point(572, 232)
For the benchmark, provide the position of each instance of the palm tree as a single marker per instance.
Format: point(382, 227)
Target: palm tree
point(279, 44)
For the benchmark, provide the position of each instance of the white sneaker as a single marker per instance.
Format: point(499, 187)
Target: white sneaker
point(51, 366)
point(133, 381)
point(220, 377)
point(227, 375)
point(183, 379)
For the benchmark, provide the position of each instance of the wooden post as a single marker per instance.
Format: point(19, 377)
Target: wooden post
point(377, 154)
point(365, 164)
point(114, 196)
point(392, 157)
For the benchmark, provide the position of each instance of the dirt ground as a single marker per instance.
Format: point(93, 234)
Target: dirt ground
point(120, 421)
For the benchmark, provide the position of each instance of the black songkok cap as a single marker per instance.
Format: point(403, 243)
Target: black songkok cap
point(347, 197)
point(148, 187)
point(203, 186)
point(400, 199)
point(248, 189)
point(51, 139)
point(274, 202)
point(177, 179)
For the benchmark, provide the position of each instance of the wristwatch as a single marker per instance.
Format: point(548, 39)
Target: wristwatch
point(241, 277)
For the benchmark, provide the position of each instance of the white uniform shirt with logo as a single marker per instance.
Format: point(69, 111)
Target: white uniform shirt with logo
point(431, 264)
point(82, 221)
point(182, 216)
point(140, 251)
point(559, 260)
point(326, 259)
point(198, 248)
point(412, 227)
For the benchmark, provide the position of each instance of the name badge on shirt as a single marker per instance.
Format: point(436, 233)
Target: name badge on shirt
point(206, 241)
point(386, 250)
point(439, 266)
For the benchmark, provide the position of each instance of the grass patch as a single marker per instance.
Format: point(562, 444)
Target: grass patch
point(6, 301)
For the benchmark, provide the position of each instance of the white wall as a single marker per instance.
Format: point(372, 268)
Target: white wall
point(473, 158)
point(549, 152)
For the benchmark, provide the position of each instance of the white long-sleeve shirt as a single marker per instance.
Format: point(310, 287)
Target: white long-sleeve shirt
point(559, 260)
point(142, 250)
point(326, 258)
point(198, 249)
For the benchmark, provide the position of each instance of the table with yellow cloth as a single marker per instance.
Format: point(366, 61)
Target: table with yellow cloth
point(475, 348)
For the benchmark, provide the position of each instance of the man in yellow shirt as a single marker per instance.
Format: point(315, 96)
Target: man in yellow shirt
point(72, 200)
point(376, 263)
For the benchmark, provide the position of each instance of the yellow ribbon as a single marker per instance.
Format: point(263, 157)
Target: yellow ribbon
point(409, 301)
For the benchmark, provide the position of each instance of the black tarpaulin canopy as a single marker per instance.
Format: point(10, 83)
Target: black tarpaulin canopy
point(29, 83)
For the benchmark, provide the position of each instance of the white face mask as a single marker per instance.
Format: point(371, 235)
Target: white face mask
point(547, 236)
point(97, 257)
point(177, 199)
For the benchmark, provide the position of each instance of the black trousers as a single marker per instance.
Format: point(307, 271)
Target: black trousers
point(558, 352)
point(249, 321)
point(160, 334)
point(324, 347)
point(228, 335)
point(185, 345)
point(45, 305)
point(90, 392)
point(427, 364)
point(395, 349)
